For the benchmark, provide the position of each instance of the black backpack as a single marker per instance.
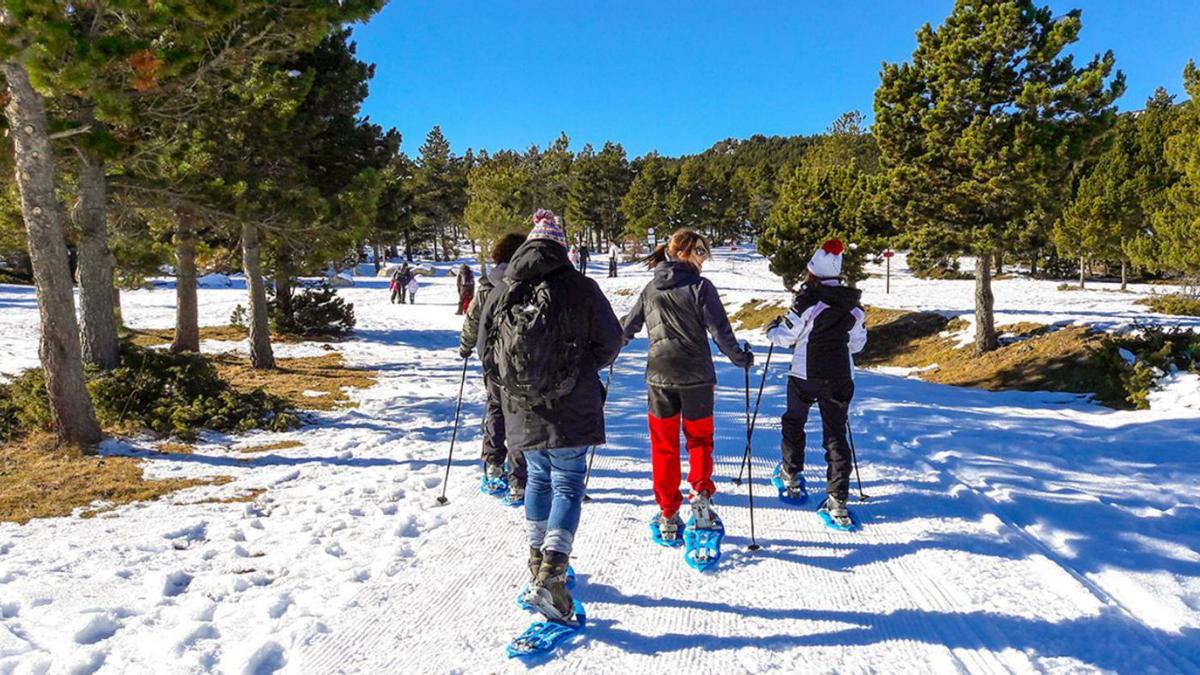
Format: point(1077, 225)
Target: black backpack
point(533, 349)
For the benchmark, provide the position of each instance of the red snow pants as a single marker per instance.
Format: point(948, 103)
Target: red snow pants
point(694, 406)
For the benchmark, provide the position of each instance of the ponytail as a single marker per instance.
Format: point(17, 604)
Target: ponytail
point(658, 255)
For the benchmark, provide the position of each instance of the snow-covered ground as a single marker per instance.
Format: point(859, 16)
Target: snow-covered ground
point(1010, 531)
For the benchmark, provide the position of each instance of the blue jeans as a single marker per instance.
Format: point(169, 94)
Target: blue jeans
point(553, 496)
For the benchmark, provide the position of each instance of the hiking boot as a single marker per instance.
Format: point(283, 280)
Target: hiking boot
point(535, 563)
point(703, 516)
point(837, 511)
point(494, 471)
point(793, 484)
point(516, 494)
point(548, 593)
point(669, 528)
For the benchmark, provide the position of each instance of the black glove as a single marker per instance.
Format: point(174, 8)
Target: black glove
point(775, 324)
point(747, 357)
point(464, 354)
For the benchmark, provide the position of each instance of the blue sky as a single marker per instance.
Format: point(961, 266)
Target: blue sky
point(678, 76)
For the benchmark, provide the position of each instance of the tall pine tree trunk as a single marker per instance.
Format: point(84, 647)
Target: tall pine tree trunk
point(1033, 264)
point(985, 318)
point(999, 263)
point(261, 355)
point(1124, 275)
point(1082, 270)
point(98, 322)
point(187, 313)
point(71, 410)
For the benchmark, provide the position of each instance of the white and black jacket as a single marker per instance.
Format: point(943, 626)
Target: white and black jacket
point(826, 325)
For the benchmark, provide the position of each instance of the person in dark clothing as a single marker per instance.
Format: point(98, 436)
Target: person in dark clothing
point(584, 256)
point(400, 280)
point(553, 435)
point(466, 288)
point(495, 452)
point(680, 309)
point(826, 327)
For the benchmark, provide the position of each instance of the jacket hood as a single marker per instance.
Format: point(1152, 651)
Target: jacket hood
point(535, 259)
point(496, 274)
point(672, 273)
point(841, 297)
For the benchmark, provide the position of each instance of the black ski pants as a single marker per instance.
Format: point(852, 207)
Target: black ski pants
point(495, 450)
point(833, 399)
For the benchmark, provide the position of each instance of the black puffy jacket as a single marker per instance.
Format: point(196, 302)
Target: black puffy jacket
point(681, 309)
point(577, 419)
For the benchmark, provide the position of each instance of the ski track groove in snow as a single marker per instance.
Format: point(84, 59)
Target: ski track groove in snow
point(346, 565)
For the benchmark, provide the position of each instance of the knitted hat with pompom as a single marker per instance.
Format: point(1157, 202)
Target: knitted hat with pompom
point(826, 263)
point(545, 226)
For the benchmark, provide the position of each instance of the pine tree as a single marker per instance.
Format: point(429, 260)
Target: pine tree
point(986, 124)
point(1177, 223)
point(646, 204)
point(438, 197)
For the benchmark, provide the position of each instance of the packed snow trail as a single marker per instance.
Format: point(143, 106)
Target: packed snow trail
point(1006, 532)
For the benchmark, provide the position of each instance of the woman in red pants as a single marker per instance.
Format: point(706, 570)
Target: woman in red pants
point(680, 309)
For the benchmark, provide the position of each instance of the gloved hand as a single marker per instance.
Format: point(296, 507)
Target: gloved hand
point(775, 324)
point(747, 359)
point(464, 354)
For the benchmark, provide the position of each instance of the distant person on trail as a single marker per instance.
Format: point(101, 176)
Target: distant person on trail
point(612, 260)
point(495, 452)
point(543, 339)
point(680, 309)
point(412, 287)
point(584, 257)
point(573, 256)
point(400, 283)
point(466, 288)
point(826, 326)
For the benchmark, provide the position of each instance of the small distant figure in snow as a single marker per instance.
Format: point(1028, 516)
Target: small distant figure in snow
point(827, 326)
point(400, 280)
point(466, 288)
point(412, 286)
point(612, 259)
point(573, 256)
point(584, 256)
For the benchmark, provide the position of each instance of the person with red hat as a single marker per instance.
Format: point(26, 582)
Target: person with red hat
point(825, 327)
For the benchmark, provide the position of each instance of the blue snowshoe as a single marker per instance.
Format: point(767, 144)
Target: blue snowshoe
point(494, 481)
point(514, 496)
point(836, 516)
point(794, 496)
point(703, 546)
point(542, 637)
point(673, 528)
point(525, 591)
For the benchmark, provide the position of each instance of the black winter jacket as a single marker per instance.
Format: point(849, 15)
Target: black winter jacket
point(470, 330)
point(826, 325)
point(577, 419)
point(681, 309)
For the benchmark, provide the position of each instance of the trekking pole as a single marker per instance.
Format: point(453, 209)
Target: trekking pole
point(753, 421)
point(454, 435)
point(592, 456)
point(750, 477)
point(862, 496)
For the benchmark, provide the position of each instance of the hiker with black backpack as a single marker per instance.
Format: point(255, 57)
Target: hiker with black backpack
point(543, 339)
point(496, 479)
point(680, 309)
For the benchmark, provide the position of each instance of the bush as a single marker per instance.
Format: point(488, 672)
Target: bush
point(238, 318)
point(177, 394)
point(1137, 361)
point(1175, 303)
point(317, 311)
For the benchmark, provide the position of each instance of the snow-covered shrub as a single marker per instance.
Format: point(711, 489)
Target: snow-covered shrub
point(1135, 362)
point(177, 394)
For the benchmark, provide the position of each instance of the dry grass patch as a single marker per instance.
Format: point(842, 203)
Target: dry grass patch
point(175, 448)
point(155, 337)
point(327, 373)
point(267, 447)
point(756, 314)
point(40, 479)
